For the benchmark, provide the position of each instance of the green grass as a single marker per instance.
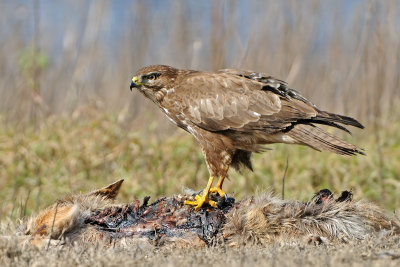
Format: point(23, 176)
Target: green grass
point(63, 155)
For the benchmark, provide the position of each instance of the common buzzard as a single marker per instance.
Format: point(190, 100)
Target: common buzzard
point(233, 113)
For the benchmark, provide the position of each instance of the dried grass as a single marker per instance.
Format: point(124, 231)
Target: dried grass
point(371, 252)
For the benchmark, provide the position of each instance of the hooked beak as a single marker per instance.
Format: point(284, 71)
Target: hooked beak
point(134, 83)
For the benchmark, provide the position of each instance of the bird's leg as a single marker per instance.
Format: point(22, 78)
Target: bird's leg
point(200, 200)
point(218, 188)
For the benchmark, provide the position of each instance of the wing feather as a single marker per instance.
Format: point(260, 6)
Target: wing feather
point(222, 101)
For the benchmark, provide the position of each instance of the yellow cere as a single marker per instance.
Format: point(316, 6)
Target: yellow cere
point(136, 81)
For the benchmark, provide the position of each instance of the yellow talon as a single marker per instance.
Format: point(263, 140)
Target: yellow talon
point(218, 188)
point(199, 201)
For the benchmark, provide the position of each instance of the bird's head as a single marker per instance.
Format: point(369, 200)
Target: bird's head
point(151, 79)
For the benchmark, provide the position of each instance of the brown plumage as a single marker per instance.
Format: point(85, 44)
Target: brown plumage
point(233, 113)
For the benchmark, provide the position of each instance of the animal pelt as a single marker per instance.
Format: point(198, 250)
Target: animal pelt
point(94, 218)
point(266, 219)
point(66, 217)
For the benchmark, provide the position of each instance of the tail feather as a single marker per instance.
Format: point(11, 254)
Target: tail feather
point(324, 116)
point(317, 138)
point(324, 122)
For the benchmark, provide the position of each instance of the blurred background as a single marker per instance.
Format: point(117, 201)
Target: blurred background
point(68, 120)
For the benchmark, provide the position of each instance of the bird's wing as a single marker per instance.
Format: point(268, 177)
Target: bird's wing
point(226, 100)
point(292, 97)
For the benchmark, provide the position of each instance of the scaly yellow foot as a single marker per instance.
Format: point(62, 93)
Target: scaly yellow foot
point(200, 200)
point(218, 188)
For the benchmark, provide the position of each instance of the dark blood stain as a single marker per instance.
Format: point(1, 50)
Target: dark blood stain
point(164, 217)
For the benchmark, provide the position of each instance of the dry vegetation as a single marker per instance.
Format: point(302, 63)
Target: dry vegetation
point(68, 121)
point(371, 252)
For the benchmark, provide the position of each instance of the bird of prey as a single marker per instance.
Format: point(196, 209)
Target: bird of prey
point(233, 113)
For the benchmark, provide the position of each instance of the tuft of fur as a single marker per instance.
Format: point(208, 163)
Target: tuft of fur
point(67, 216)
point(267, 219)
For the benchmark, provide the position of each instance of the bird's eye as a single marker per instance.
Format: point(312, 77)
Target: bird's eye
point(152, 76)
